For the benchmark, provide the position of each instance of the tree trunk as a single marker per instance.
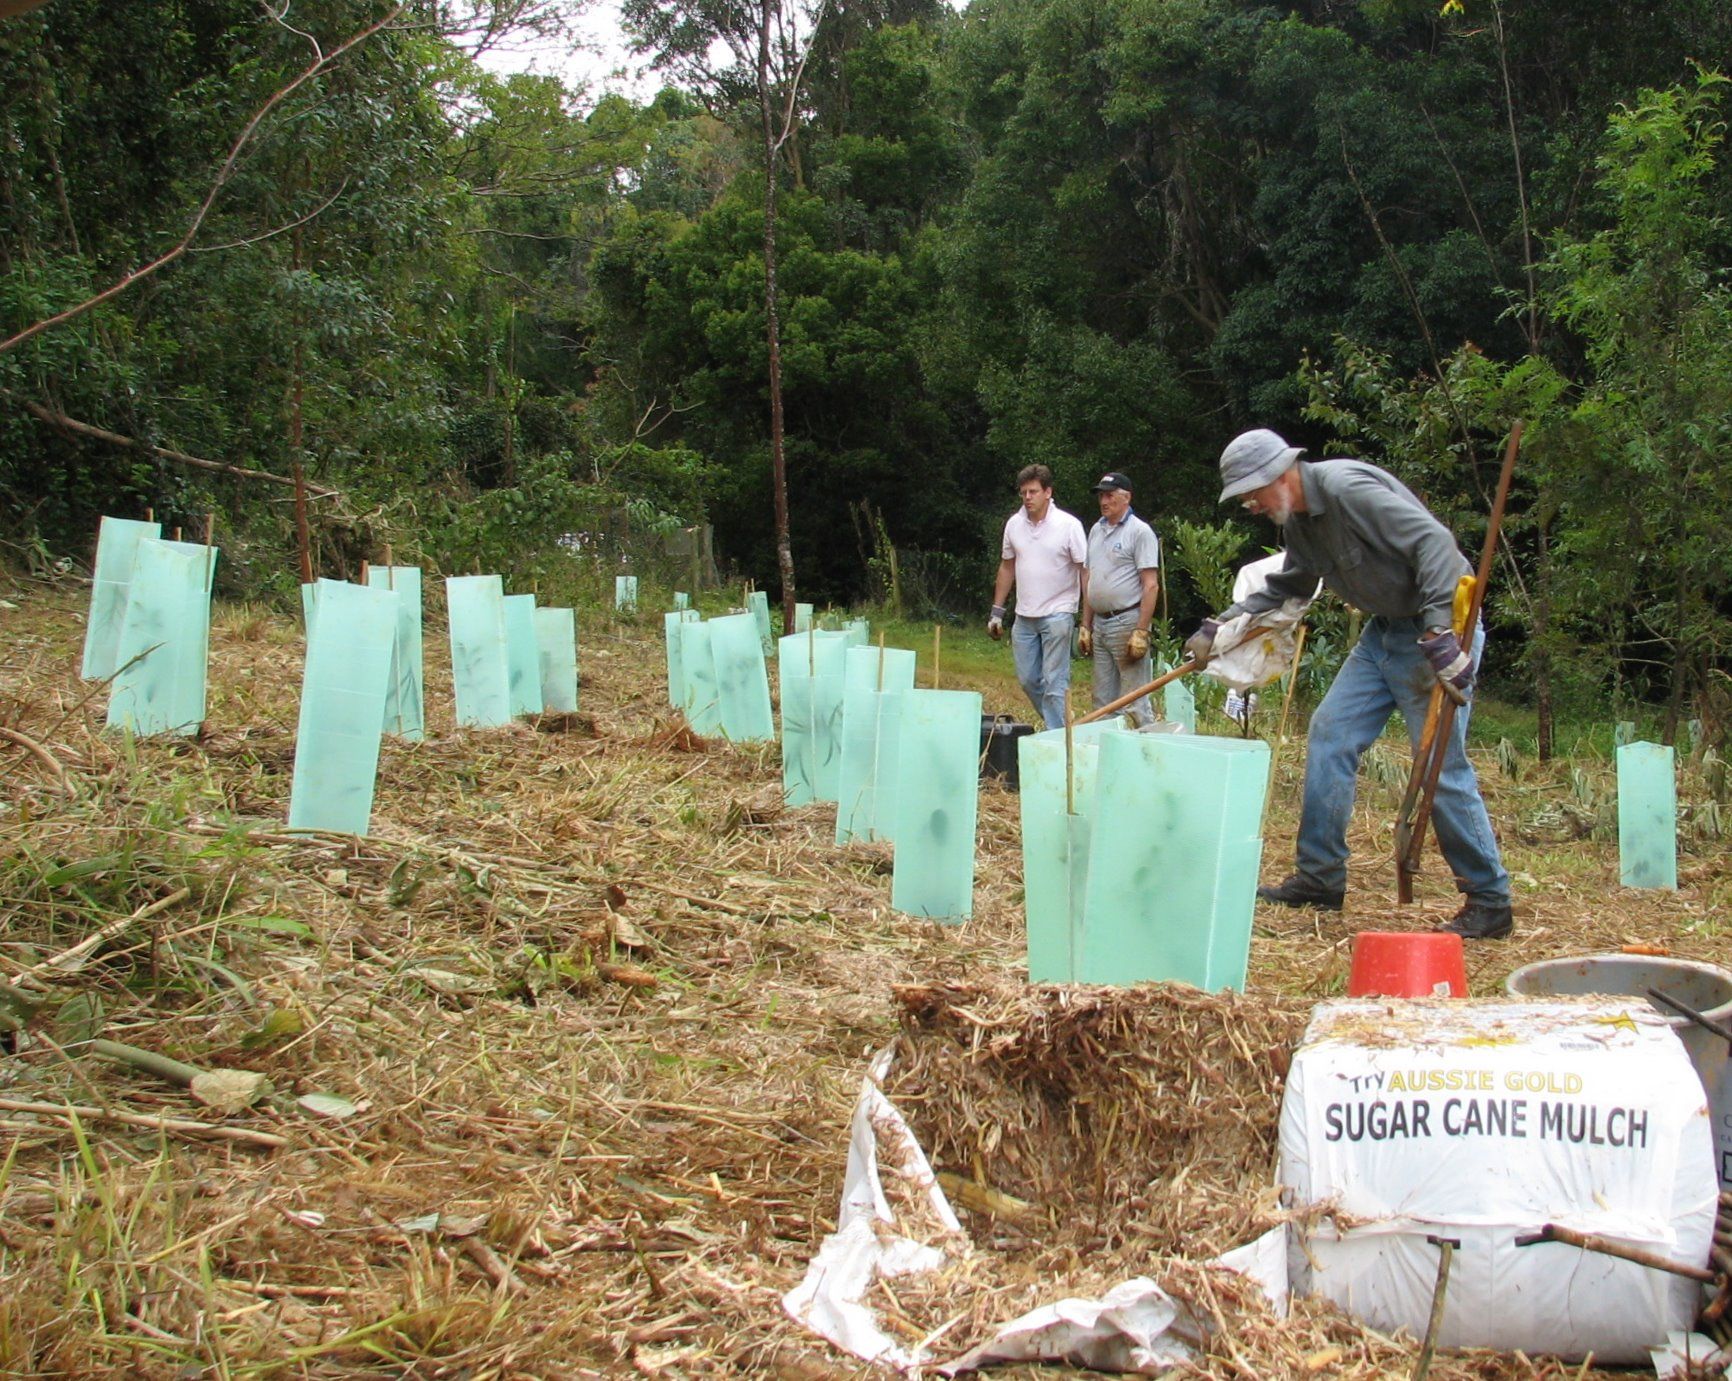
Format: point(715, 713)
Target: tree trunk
point(772, 326)
point(1542, 663)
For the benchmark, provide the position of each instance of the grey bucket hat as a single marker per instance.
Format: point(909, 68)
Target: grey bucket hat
point(1253, 459)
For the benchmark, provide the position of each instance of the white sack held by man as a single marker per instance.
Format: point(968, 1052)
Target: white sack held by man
point(1253, 659)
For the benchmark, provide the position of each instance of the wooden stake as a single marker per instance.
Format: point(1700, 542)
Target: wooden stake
point(880, 661)
point(150, 515)
point(1292, 681)
point(390, 569)
point(937, 644)
point(1281, 729)
point(1069, 757)
point(177, 534)
point(366, 568)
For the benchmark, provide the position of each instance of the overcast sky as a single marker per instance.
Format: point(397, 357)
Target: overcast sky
point(601, 62)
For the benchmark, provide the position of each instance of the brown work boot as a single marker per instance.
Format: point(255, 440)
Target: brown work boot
point(1481, 920)
point(1299, 890)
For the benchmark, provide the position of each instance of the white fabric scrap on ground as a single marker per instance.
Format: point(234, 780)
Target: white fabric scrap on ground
point(1684, 1351)
point(1135, 1327)
point(1255, 660)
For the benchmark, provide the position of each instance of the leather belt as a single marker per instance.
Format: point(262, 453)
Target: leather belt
point(1114, 613)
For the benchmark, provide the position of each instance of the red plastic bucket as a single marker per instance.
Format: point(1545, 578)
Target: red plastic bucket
point(1407, 963)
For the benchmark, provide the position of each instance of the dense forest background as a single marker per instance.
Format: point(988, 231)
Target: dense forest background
point(1099, 234)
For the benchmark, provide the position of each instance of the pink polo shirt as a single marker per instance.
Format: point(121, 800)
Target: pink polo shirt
point(1049, 558)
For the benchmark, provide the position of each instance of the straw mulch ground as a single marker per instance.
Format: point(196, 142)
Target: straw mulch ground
point(600, 1006)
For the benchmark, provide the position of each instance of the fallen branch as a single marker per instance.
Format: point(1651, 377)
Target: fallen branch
point(180, 1126)
point(71, 960)
point(77, 428)
point(42, 755)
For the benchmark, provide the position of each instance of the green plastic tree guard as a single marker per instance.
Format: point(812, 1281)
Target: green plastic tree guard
point(1058, 811)
point(117, 542)
point(480, 669)
point(802, 617)
point(522, 656)
point(1623, 732)
point(676, 673)
point(873, 681)
point(1647, 816)
point(164, 646)
point(937, 797)
point(343, 691)
point(682, 600)
point(556, 641)
point(742, 682)
point(811, 666)
point(405, 705)
point(625, 593)
point(1180, 705)
point(1173, 860)
point(799, 747)
point(703, 699)
point(859, 632)
point(758, 602)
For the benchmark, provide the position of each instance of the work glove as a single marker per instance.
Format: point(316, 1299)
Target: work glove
point(1085, 641)
point(1200, 646)
point(995, 623)
point(1449, 663)
point(1138, 646)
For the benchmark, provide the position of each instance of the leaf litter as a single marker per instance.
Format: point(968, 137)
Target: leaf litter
point(564, 1054)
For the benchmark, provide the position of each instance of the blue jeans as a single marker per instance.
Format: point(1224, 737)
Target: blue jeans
point(1384, 672)
point(1112, 675)
point(1041, 649)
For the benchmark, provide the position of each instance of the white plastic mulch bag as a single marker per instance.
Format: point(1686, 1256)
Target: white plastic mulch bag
point(896, 1221)
point(1252, 659)
point(1481, 1123)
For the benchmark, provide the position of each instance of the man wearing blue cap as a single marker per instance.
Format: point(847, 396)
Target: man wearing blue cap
point(1124, 581)
point(1371, 541)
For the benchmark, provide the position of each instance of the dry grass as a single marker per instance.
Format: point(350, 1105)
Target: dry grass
point(601, 1005)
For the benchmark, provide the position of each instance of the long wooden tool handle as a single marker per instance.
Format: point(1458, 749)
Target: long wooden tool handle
point(1407, 861)
point(1184, 668)
point(1131, 697)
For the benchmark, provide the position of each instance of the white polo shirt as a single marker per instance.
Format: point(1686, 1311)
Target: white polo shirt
point(1049, 558)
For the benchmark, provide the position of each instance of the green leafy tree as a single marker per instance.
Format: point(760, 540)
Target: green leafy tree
point(1648, 296)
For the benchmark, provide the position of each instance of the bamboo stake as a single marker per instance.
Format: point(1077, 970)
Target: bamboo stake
point(1281, 729)
point(1292, 682)
point(1069, 756)
point(937, 637)
point(209, 548)
point(178, 1125)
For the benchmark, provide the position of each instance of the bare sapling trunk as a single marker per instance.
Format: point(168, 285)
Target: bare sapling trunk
point(772, 325)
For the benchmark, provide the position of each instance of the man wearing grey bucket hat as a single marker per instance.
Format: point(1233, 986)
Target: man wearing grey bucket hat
point(1366, 536)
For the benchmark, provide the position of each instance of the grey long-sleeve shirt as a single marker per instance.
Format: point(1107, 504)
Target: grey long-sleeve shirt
point(1371, 541)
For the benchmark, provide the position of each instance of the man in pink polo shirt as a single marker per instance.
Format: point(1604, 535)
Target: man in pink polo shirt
point(1046, 557)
